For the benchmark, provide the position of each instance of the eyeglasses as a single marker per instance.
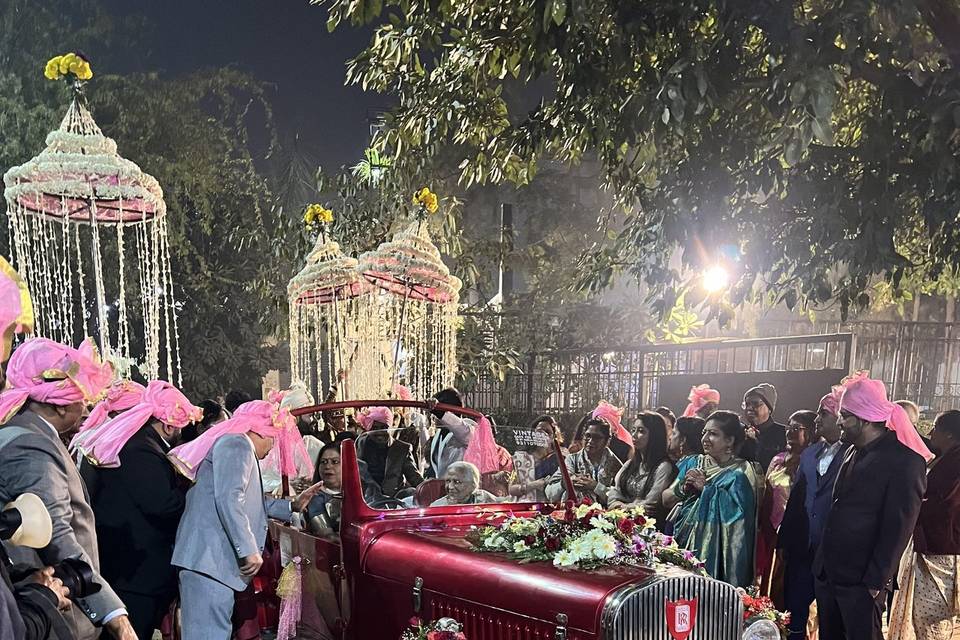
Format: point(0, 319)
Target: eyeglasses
point(751, 404)
point(329, 462)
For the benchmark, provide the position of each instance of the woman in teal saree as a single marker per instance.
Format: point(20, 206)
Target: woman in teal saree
point(714, 502)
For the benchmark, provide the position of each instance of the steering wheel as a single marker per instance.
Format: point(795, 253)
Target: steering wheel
point(388, 503)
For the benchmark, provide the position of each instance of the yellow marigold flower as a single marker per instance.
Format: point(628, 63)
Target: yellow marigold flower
point(326, 216)
point(427, 199)
point(65, 62)
point(85, 72)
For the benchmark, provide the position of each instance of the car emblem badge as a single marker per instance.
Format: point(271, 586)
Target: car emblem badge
point(681, 616)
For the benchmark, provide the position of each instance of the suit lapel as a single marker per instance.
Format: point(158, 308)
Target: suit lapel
point(35, 423)
point(843, 472)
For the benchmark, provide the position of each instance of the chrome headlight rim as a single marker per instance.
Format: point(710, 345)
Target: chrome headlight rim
point(761, 629)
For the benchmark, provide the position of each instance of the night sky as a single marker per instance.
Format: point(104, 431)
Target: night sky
point(281, 42)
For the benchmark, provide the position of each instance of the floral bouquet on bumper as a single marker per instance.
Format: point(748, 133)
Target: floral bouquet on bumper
point(757, 608)
point(585, 536)
point(442, 629)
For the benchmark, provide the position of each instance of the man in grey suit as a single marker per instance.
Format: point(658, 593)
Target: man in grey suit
point(49, 386)
point(224, 526)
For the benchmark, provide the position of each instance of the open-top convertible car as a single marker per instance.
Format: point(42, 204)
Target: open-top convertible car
point(369, 563)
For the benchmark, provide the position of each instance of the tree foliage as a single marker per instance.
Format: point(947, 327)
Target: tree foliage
point(233, 244)
point(809, 145)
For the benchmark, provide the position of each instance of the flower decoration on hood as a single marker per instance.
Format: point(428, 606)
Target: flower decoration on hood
point(68, 64)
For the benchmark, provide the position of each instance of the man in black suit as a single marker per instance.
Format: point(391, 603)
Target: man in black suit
point(806, 513)
point(140, 500)
point(876, 501)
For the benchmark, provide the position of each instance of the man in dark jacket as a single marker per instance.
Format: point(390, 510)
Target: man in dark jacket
point(806, 513)
point(140, 500)
point(765, 438)
point(877, 498)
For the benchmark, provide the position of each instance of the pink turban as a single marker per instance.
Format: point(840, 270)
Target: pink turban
point(16, 310)
point(49, 372)
point(482, 448)
point(383, 415)
point(831, 402)
point(161, 400)
point(401, 392)
point(264, 418)
point(122, 395)
point(612, 415)
point(699, 396)
point(867, 399)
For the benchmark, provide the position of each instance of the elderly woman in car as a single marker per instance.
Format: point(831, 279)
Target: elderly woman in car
point(462, 481)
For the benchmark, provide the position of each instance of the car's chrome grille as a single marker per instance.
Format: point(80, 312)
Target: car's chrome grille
point(638, 612)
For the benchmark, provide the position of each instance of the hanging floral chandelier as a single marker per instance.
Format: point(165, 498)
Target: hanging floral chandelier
point(332, 324)
point(76, 205)
point(417, 303)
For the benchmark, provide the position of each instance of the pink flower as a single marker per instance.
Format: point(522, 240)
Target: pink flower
point(414, 622)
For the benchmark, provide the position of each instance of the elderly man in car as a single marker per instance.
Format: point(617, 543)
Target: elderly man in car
point(462, 481)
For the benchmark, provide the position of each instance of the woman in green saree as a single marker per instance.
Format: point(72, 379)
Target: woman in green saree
point(713, 502)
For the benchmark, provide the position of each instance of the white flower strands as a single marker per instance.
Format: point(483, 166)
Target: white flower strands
point(333, 326)
point(417, 303)
point(61, 205)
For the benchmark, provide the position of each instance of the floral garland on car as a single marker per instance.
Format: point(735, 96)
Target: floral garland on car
point(442, 629)
point(756, 607)
point(585, 536)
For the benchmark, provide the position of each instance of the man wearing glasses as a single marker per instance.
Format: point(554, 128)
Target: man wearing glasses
point(765, 438)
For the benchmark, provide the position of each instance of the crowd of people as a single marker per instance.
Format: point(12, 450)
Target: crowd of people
point(843, 512)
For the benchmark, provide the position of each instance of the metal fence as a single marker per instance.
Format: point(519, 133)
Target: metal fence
point(565, 382)
point(918, 361)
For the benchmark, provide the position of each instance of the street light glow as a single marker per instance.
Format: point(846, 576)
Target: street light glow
point(715, 279)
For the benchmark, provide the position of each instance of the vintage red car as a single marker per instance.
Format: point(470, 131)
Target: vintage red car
point(390, 564)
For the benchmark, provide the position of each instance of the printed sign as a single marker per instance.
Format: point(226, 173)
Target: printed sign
point(681, 616)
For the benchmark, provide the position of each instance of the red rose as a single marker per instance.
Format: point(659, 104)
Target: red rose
point(530, 540)
point(414, 622)
point(553, 544)
point(586, 500)
point(639, 521)
point(626, 526)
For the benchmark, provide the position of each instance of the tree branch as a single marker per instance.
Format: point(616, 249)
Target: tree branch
point(943, 18)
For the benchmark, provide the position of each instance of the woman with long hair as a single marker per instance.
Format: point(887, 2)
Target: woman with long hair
point(713, 502)
point(642, 481)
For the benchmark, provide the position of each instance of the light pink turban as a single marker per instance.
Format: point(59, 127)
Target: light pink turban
point(16, 310)
point(831, 402)
point(49, 372)
point(367, 417)
point(700, 396)
point(613, 415)
point(264, 418)
point(122, 395)
point(867, 399)
point(401, 392)
point(161, 400)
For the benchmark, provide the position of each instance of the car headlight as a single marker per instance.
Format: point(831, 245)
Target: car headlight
point(762, 630)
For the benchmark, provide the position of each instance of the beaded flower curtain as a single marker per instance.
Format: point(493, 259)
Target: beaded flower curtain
point(417, 302)
point(332, 322)
point(79, 213)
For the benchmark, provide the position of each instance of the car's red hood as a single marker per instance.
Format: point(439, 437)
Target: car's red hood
point(448, 565)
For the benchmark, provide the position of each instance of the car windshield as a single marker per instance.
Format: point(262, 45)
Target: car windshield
point(418, 461)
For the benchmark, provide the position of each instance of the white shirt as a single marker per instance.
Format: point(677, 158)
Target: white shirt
point(827, 456)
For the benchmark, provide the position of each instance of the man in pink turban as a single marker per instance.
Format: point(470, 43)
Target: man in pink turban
point(138, 499)
point(224, 526)
point(389, 461)
point(50, 386)
point(876, 501)
point(806, 513)
point(122, 395)
point(703, 401)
